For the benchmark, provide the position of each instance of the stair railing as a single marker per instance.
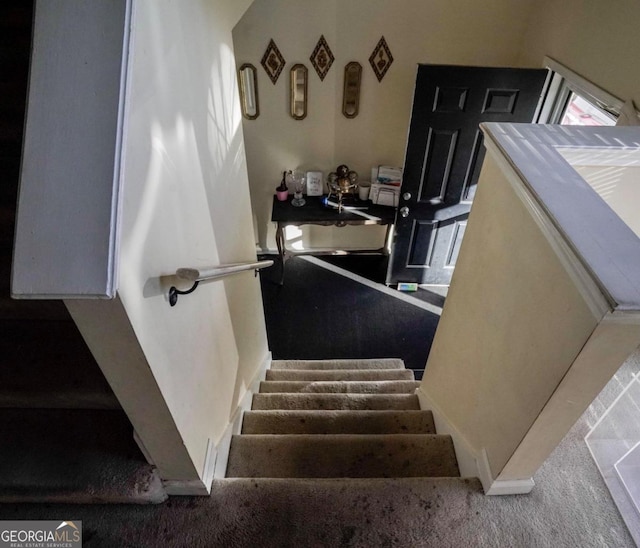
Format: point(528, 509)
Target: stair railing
point(212, 273)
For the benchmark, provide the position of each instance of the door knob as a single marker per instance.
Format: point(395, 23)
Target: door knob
point(407, 196)
point(404, 211)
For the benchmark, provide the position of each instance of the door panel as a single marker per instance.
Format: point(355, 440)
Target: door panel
point(444, 157)
point(422, 241)
point(454, 245)
point(435, 174)
point(473, 169)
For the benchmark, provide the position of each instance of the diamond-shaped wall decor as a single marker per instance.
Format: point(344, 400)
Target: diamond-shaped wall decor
point(272, 61)
point(322, 58)
point(381, 59)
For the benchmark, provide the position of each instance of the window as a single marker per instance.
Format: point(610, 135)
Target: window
point(580, 112)
point(572, 100)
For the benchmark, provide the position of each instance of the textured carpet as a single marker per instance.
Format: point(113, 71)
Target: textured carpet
point(342, 456)
point(336, 422)
point(336, 401)
point(350, 450)
point(350, 387)
point(569, 507)
point(374, 268)
point(345, 375)
point(337, 365)
point(79, 455)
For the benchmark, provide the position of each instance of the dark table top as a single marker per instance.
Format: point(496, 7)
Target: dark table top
point(315, 211)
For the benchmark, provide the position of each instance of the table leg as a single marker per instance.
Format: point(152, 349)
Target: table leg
point(281, 250)
point(387, 240)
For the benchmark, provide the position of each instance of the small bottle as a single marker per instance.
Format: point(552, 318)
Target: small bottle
point(282, 192)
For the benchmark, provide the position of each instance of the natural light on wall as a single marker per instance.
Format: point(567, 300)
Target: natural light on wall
point(614, 174)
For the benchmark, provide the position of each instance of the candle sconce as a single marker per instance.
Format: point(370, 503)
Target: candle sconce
point(298, 76)
point(248, 82)
point(351, 91)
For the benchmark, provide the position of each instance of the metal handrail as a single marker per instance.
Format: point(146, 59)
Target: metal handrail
point(212, 273)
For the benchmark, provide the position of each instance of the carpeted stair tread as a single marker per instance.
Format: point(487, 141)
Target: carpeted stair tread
point(340, 375)
point(342, 456)
point(339, 387)
point(383, 363)
point(73, 456)
point(335, 401)
point(338, 422)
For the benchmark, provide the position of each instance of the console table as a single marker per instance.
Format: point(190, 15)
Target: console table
point(315, 213)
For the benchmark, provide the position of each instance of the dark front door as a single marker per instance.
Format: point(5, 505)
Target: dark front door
point(443, 160)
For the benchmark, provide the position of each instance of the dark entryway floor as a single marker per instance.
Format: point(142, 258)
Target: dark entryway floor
point(321, 314)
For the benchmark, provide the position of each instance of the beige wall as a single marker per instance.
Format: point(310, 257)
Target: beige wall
point(598, 42)
point(185, 204)
point(463, 32)
point(618, 186)
point(512, 327)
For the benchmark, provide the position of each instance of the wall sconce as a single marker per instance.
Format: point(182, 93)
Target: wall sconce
point(298, 78)
point(351, 91)
point(248, 81)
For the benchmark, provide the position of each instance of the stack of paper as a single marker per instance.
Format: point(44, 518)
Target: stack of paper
point(389, 175)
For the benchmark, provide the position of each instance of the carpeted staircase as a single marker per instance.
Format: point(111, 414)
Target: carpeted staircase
point(339, 419)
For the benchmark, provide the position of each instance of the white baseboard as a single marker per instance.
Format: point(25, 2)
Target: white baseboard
point(215, 462)
point(186, 488)
point(472, 463)
point(195, 487)
point(465, 453)
point(500, 487)
point(235, 424)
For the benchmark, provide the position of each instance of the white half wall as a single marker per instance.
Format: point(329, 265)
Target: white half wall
point(180, 373)
point(543, 308)
point(186, 204)
point(67, 222)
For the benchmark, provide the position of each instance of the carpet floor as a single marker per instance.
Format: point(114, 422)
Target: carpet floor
point(569, 507)
point(374, 268)
point(319, 314)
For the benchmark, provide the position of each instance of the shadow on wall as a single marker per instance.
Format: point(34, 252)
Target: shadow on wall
point(186, 204)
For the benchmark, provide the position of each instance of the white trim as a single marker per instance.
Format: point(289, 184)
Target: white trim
point(209, 465)
point(493, 487)
point(373, 285)
point(115, 220)
point(584, 87)
point(465, 454)
point(591, 292)
point(216, 458)
point(142, 448)
point(185, 488)
point(235, 423)
point(471, 463)
point(622, 318)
